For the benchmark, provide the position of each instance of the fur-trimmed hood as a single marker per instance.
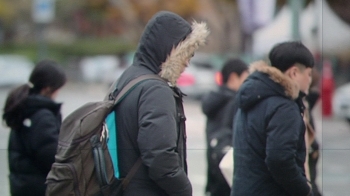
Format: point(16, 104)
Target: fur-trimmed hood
point(265, 81)
point(167, 43)
point(291, 88)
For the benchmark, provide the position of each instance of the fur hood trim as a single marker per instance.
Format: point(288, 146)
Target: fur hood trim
point(177, 60)
point(291, 88)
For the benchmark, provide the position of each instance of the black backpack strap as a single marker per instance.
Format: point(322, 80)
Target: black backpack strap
point(130, 86)
point(131, 173)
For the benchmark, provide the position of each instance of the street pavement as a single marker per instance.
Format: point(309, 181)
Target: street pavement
point(333, 134)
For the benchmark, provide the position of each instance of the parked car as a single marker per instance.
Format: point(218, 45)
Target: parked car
point(104, 69)
point(98, 68)
point(125, 61)
point(341, 102)
point(14, 69)
point(200, 77)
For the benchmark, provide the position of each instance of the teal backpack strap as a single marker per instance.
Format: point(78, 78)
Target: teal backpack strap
point(111, 125)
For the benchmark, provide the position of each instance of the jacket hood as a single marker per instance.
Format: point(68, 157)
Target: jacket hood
point(167, 42)
point(215, 100)
point(37, 102)
point(265, 81)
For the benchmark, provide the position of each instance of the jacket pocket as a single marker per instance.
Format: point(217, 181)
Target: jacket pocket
point(62, 180)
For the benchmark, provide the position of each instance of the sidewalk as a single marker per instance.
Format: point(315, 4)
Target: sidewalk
point(333, 135)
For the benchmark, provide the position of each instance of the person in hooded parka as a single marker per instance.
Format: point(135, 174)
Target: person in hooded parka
point(153, 122)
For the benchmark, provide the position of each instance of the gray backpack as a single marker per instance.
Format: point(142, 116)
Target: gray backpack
point(83, 163)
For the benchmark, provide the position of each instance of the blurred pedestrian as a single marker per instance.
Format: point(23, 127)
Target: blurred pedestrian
point(314, 152)
point(269, 131)
point(309, 136)
point(34, 118)
point(219, 108)
point(154, 127)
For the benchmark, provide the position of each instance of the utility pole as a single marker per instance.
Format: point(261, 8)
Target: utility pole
point(43, 13)
point(296, 8)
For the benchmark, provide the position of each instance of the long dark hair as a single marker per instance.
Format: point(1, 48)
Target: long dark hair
point(47, 73)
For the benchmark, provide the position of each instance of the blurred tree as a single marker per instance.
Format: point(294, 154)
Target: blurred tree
point(185, 8)
point(130, 18)
point(13, 15)
point(136, 13)
point(7, 14)
point(126, 19)
point(223, 20)
point(67, 12)
point(7, 11)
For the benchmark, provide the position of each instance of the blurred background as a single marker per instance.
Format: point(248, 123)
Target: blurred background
point(94, 40)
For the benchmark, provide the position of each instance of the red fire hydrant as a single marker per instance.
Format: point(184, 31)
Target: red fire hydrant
point(327, 88)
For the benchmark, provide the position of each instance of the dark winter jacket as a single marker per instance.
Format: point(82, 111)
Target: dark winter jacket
point(151, 120)
point(268, 136)
point(32, 147)
point(219, 108)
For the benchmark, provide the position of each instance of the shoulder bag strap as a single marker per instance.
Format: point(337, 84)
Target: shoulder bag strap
point(131, 173)
point(123, 93)
point(131, 85)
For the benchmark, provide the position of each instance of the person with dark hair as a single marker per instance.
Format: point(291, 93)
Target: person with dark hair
point(219, 108)
point(34, 119)
point(269, 129)
point(314, 152)
point(154, 128)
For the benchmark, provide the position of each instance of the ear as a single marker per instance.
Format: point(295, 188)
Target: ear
point(292, 71)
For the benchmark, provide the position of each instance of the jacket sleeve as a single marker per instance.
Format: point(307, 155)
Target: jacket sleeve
point(157, 140)
point(44, 138)
point(283, 134)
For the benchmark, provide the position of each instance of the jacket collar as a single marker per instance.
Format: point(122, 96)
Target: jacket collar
point(291, 88)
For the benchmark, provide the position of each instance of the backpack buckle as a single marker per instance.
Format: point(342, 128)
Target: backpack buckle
point(104, 133)
point(113, 94)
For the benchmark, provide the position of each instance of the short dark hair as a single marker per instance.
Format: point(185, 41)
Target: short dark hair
point(233, 66)
point(284, 55)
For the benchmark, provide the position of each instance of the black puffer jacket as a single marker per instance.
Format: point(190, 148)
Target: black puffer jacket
point(151, 120)
point(33, 146)
point(219, 108)
point(269, 133)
